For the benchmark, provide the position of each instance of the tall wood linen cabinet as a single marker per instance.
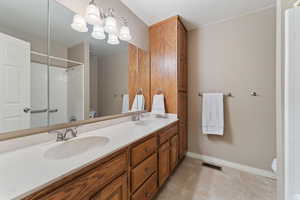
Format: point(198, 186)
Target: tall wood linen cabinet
point(139, 74)
point(168, 51)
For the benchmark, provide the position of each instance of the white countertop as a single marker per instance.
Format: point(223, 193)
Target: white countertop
point(26, 170)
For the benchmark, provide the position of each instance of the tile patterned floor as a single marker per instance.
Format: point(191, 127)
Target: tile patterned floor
point(192, 181)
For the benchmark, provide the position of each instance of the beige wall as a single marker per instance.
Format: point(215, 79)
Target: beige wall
point(94, 83)
point(113, 82)
point(138, 28)
point(234, 56)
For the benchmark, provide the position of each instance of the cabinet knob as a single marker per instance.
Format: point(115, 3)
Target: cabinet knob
point(146, 150)
point(147, 170)
point(147, 194)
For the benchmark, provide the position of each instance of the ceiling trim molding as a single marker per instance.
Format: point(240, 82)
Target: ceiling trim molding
point(237, 16)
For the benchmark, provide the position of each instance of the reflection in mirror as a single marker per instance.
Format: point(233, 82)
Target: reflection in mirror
point(93, 79)
point(23, 65)
point(52, 74)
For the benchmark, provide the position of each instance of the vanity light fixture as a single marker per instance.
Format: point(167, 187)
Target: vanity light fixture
point(103, 23)
point(124, 31)
point(93, 14)
point(98, 32)
point(113, 39)
point(110, 23)
point(79, 24)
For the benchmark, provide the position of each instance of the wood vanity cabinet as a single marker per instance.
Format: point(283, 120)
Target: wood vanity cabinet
point(136, 172)
point(169, 70)
point(87, 182)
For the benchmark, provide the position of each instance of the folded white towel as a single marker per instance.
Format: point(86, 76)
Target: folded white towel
point(125, 104)
point(213, 114)
point(158, 106)
point(274, 165)
point(138, 103)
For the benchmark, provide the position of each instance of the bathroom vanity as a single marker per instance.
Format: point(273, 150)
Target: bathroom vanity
point(125, 160)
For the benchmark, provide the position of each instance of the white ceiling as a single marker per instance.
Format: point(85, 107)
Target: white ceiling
point(195, 13)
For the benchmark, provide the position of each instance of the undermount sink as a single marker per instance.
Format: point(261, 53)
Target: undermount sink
point(75, 147)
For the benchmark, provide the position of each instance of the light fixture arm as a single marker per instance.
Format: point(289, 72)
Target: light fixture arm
point(297, 4)
point(92, 2)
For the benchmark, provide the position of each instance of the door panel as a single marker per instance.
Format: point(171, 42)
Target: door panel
point(15, 83)
point(164, 163)
point(174, 152)
point(117, 190)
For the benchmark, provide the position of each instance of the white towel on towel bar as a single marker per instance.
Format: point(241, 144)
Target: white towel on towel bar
point(158, 105)
point(213, 114)
point(125, 104)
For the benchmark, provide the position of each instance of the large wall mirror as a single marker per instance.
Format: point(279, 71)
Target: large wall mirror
point(52, 74)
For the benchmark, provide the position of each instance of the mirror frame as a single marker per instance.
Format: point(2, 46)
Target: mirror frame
point(35, 131)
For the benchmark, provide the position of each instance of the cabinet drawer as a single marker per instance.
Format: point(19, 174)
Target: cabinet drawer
point(165, 135)
point(143, 171)
point(142, 151)
point(148, 190)
point(88, 184)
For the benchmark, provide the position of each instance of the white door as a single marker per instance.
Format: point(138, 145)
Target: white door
point(292, 106)
point(14, 84)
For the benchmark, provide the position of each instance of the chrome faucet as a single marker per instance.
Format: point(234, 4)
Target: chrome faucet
point(62, 135)
point(137, 116)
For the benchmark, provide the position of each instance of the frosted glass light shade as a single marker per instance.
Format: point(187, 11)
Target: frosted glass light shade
point(79, 24)
point(98, 32)
point(125, 33)
point(113, 39)
point(93, 15)
point(110, 25)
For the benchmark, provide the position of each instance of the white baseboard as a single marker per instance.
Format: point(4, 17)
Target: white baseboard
point(224, 163)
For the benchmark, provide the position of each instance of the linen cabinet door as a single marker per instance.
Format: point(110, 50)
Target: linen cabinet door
point(138, 74)
point(164, 163)
point(182, 115)
point(117, 190)
point(182, 63)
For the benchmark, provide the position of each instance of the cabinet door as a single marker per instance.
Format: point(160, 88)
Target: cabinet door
point(163, 50)
point(182, 65)
point(138, 74)
point(183, 139)
point(164, 162)
point(174, 152)
point(132, 72)
point(117, 190)
point(182, 115)
point(182, 106)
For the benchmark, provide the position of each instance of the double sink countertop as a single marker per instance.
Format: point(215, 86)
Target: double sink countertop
point(26, 170)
